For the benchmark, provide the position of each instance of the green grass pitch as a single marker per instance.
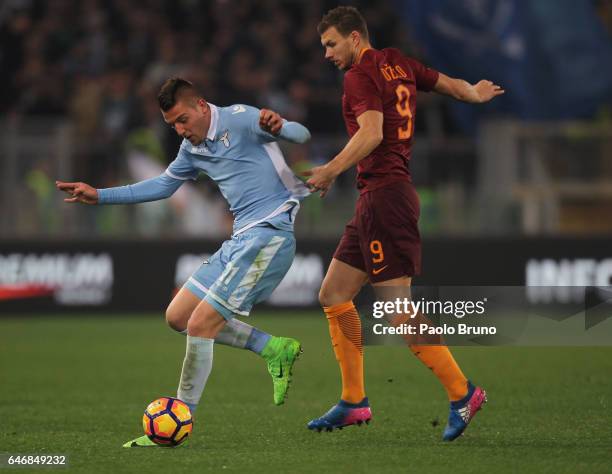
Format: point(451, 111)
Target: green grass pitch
point(79, 385)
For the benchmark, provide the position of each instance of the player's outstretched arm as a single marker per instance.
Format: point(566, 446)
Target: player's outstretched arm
point(271, 122)
point(78, 192)
point(153, 189)
point(478, 93)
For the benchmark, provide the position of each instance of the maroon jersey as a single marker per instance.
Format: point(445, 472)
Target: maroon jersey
point(386, 81)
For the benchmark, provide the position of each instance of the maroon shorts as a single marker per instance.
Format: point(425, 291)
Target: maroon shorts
point(382, 239)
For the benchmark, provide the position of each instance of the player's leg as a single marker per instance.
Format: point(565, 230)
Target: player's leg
point(341, 284)
point(223, 284)
point(394, 248)
point(202, 328)
point(231, 280)
point(257, 261)
point(265, 256)
point(465, 398)
point(436, 357)
point(235, 333)
point(260, 259)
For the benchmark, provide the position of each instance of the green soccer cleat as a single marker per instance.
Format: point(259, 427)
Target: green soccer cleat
point(145, 442)
point(281, 353)
point(142, 442)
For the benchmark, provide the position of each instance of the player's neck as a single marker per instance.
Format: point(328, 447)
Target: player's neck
point(359, 51)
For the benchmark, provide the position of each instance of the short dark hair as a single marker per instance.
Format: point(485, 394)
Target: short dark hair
point(345, 19)
point(175, 89)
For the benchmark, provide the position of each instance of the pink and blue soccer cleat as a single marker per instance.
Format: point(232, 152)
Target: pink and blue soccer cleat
point(462, 411)
point(341, 415)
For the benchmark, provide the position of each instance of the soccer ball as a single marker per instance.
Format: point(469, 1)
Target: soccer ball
point(167, 421)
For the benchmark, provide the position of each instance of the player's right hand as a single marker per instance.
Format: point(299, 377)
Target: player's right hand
point(321, 179)
point(79, 192)
point(270, 121)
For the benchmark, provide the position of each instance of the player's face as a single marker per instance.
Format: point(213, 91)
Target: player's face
point(190, 120)
point(339, 50)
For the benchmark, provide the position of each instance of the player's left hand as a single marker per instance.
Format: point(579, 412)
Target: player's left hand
point(486, 90)
point(321, 179)
point(270, 121)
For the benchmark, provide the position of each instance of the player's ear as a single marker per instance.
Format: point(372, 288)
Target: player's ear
point(201, 104)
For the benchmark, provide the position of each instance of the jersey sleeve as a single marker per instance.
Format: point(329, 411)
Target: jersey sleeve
point(144, 191)
point(182, 168)
point(426, 78)
point(361, 93)
point(291, 131)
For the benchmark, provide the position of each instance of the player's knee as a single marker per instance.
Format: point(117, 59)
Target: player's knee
point(329, 297)
point(202, 324)
point(194, 325)
point(175, 319)
point(323, 297)
point(197, 321)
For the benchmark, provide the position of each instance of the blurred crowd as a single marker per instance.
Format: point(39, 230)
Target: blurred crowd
point(101, 62)
point(98, 65)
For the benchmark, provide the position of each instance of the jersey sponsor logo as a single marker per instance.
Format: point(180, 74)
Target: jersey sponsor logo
point(376, 271)
point(238, 109)
point(225, 139)
point(200, 150)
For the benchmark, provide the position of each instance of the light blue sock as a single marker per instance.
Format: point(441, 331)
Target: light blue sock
point(237, 333)
point(257, 340)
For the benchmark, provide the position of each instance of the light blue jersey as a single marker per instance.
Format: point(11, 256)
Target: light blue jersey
point(263, 194)
point(243, 160)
